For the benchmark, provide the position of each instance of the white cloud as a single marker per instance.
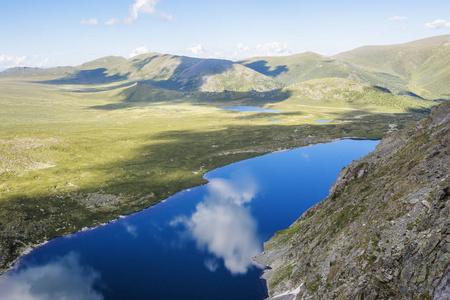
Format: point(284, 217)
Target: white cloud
point(89, 22)
point(12, 60)
point(146, 7)
point(139, 50)
point(197, 49)
point(268, 49)
point(131, 229)
point(211, 264)
point(398, 18)
point(244, 48)
point(64, 278)
point(7, 61)
point(224, 55)
point(223, 225)
point(438, 24)
point(112, 21)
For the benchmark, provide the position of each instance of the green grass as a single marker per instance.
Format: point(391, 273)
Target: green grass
point(422, 65)
point(66, 143)
point(281, 276)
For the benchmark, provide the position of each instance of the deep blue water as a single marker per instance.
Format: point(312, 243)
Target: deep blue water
point(250, 108)
point(196, 244)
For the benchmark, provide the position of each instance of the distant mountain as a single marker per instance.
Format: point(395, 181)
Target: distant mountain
point(305, 66)
point(423, 65)
point(419, 69)
point(195, 74)
point(416, 68)
point(165, 71)
point(36, 72)
point(299, 67)
point(345, 92)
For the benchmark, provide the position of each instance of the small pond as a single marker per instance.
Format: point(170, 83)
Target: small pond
point(249, 108)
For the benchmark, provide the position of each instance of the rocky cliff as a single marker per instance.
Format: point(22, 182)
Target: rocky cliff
point(384, 230)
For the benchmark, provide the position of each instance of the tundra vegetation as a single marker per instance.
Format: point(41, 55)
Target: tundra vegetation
point(80, 146)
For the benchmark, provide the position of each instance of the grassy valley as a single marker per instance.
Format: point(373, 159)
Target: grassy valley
point(81, 145)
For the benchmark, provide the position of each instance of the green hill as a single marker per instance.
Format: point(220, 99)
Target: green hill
point(147, 93)
point(340, 91)
point(420, 68)
point(305, 66)
point(298, 67)
point(165, 71)
point(424, 65)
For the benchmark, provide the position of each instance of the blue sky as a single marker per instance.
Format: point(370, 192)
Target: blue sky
point(48, 33)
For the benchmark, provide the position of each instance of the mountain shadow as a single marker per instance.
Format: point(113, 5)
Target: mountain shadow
point(189, 74)
point(261, 67)
point(142, 94)
point(88, 77)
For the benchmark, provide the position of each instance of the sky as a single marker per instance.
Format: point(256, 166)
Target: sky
point(48, 33)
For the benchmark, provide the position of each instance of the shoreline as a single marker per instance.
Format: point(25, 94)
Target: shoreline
point(29, 249)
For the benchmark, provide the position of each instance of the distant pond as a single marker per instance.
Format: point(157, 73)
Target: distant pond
point(197, 244)
point(322, 121)
point(250, 108)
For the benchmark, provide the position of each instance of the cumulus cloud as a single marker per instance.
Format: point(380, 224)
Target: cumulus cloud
point(398, 18)
point(8, 61)
point(224, 55)
point(112, 21)
point(43, 63)
point(139, 50)
point(12, 60)
point(64, 278)
point(244, 48)
point(89, 22)
point(438, 24)
point(305, 155)
point(268, 49)
point(211, 264)
point(197, 49)
point(131, 229)
point(146, 7)
point(223, 225)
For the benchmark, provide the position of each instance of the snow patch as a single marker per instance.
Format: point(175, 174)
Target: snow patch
point(293, 292)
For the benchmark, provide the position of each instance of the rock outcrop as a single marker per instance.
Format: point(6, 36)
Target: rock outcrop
point(384, 230)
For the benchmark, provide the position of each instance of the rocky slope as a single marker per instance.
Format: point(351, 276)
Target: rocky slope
point(384, 230)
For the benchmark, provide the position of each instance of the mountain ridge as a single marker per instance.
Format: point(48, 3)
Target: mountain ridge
point(420, 67)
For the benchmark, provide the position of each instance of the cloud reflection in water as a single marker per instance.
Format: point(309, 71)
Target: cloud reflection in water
point(64, 278)
point(223, 225)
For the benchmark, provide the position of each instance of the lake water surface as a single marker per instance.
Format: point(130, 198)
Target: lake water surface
point(196, 244)
point(250, 108)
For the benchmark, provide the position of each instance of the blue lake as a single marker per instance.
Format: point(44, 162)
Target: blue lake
point(322, 121)
point(197, 244)
point(250, 108)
